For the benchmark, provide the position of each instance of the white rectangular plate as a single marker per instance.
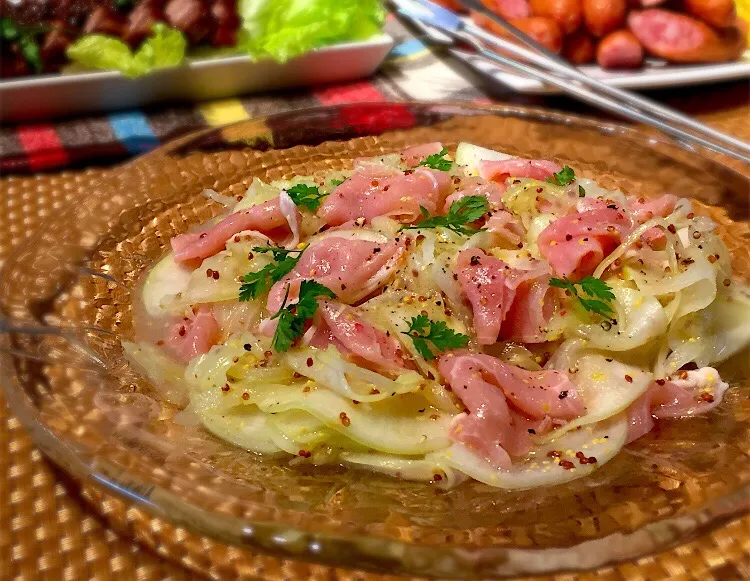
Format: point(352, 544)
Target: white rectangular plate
point(655, 74)
point(44, 97)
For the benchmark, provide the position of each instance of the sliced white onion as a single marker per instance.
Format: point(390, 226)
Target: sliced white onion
point(165, 375)
point(291, 214)
point(332, 371)
point(416, 469)
point(166, 280)
point(228, 202)
point(606, 387)
point(601, 441)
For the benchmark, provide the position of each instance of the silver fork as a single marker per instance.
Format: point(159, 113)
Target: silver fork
point(445, 28)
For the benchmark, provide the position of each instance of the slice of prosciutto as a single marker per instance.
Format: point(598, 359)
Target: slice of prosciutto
point(353, 335)
point(642, 210)
point(378, 190)
point(193, 336)
point(474, 186)
point(504, 402)
point(268, 218)
point(491, 286)
point(499, 171)
point(695, 393)
point(352, 269)
point(412, 156)
point(575, 244)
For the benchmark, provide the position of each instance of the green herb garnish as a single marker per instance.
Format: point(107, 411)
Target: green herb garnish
point(307, 196)
point(592, 287)
point(292, 318)
point(437, 161)
point(335, 183)
point(422, 329)
point(581, 192)
point(257, 283)
point(462, 212)
point(563, 177)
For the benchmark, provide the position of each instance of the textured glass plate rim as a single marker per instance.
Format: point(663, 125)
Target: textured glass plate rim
point(371, 552)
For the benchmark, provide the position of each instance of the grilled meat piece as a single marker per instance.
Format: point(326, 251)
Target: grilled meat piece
point(191, 17)
point(140, 21)
point(227, 22)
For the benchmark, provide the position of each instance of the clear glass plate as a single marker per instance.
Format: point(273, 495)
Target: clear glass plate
point(65, 299)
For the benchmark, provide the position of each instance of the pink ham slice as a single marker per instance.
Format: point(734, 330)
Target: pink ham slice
point(193, 336)
point(473, 186)
point(414, 155)
point(533, 306)
point(483, 281)
point(378, 190)
point(491, 286)
point(574, 245)
point(504, 402)
point(674, 398)
point(352, 269)
point(498, 171)
point(267, 218)
point(643, 210)
point(352, 335)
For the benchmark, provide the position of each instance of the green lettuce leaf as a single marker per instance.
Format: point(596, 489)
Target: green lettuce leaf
point(164, 48)
point(282, 29)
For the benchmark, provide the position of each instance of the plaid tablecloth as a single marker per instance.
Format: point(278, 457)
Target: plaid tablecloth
point(412, 71)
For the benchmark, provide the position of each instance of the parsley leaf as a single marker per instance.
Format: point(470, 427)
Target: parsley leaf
point(437, 161)
point(292, 318)
point(307, 196)
point(594, 288)
point(422, 330)
point(581, 191)
point(257, 283)
point(335, 183)
point(462, 212)
point(563, 177)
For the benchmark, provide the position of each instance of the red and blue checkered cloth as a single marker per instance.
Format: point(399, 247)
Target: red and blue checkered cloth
point(411, 71)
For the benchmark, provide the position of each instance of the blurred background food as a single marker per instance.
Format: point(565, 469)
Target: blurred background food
point(619, 34)
point(137, 36)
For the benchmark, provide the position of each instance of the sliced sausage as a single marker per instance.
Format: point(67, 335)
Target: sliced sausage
point(579, 47)
point(509, 9)
point(619, 50)
point(191, 17)
point(719, 13)
point(604, 16)
point(567, 13)
point(684, 39)
point(543, 30)
point(227, 22)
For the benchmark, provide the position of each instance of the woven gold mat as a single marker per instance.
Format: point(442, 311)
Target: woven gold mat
point(52, 529)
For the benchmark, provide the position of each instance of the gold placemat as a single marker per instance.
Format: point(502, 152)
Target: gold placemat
point(51, 528)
